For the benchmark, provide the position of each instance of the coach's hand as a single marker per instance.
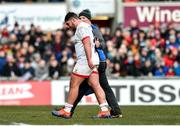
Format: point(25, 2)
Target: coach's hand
point(97, 43)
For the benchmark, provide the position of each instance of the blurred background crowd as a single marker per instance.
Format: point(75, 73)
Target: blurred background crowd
point(32, 53)
point(131, 51)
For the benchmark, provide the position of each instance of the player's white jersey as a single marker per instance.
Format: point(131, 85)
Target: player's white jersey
point(84, 30)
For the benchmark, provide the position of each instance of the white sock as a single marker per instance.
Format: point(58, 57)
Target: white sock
point(68, 107)
point(104, 106)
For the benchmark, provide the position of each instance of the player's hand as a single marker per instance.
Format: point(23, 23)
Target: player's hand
point(97, 43)
point(90, 64)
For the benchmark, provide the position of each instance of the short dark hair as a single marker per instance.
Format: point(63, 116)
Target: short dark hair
point(70, 15)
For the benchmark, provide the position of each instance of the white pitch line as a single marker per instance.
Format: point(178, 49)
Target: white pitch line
point(15, 123)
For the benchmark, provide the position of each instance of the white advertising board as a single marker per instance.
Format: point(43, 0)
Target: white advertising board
point(97, 7)
point(48, 16)
point(128, 92)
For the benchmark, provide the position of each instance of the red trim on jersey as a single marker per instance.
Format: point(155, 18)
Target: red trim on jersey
point(94, 72)
point(82, 76)
point(85, 38)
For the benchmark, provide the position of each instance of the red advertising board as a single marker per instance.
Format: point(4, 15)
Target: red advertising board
point(25, 93)
point(146, 14)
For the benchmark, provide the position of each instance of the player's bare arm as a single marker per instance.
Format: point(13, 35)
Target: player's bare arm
point(87, 48)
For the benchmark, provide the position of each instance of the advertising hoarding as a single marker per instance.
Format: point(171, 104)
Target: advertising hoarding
point(48, 16)
point(128, 92)
point(25, 93)
point(97, 7)
point(151, 13)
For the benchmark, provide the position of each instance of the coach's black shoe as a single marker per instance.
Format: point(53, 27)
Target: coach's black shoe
point(116, 115)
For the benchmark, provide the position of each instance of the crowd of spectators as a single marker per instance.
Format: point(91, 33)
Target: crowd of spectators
point(151, 52)
point(35, 54)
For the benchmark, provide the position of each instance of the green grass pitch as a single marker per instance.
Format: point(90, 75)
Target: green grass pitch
point(133, 115)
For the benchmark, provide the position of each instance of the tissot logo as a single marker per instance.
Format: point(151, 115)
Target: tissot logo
point(145, 93)
point(150, 14)
point(15, 91)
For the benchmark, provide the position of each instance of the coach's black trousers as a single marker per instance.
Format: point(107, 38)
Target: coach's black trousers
point(110, 97)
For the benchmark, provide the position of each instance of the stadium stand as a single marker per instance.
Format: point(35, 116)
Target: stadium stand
point(35, 54)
